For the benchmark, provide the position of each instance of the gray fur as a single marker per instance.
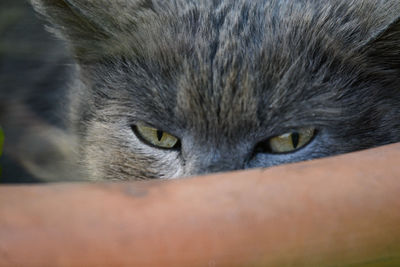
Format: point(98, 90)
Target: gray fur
point(224, 76)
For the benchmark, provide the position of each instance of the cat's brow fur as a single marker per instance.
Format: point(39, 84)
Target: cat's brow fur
point(225, 75)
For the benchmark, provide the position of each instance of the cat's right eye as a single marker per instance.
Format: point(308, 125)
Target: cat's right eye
point(155, 137)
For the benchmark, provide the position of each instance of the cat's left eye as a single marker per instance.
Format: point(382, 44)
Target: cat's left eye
point(156, 137)
point(288, 142)
point(291, 141)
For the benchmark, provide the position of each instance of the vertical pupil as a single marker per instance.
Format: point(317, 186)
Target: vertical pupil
point(159, 135)
point(295, 139)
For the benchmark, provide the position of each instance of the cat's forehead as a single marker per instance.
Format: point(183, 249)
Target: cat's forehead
point(351, 21)
point(264, 37)
point(230, 61)
point(236, 64)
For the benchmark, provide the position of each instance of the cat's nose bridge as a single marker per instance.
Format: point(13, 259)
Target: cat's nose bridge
point(216, 160)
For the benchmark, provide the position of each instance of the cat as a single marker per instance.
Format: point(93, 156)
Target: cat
point(168, 89)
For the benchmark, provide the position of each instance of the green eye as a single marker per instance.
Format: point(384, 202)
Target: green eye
point(156, 137)
point(290, 142)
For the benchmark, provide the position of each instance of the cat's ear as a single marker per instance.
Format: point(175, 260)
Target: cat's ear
point(89, 26)
point(384, 46)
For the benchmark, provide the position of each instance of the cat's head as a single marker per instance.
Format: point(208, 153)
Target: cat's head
point(177, 88)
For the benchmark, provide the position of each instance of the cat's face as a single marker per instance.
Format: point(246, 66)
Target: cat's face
point(177, 88)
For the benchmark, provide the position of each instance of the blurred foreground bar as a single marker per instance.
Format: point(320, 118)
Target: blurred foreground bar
point(341, 211)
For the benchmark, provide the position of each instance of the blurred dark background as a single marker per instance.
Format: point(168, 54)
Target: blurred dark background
point(33, 75)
